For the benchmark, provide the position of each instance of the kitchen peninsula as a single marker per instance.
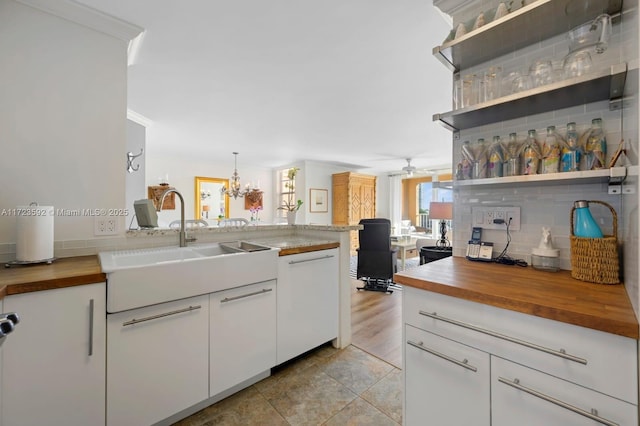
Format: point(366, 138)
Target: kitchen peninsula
point(519, 338)
point(78, 342)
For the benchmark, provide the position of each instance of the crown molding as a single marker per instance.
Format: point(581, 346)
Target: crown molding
point(138, 118)
point(88, 17)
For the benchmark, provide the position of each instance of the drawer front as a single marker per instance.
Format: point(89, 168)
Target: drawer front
point(446, 383)
point(525, 397)
point(597, 360)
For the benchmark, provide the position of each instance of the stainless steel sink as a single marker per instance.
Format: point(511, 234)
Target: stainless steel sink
point(244, 246)
point(215, 250)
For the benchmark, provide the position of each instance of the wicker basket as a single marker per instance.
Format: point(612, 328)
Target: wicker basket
point(596, 259)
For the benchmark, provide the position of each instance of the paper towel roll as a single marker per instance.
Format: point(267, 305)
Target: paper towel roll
point(35, 233)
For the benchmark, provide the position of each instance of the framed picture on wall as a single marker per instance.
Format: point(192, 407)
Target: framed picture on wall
point(318, 200)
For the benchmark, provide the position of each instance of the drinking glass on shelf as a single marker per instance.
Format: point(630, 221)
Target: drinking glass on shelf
point(457, 91)
point(491, 83)
point(577, 63)
point(507, 82)
point(469, 86)
point(541, 72)
point(521, 83)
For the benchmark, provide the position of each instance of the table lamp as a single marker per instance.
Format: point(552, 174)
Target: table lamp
point(444, 212)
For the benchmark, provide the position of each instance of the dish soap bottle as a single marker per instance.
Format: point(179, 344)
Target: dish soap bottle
point(585, 225)
point(550, 152)
point(530, 154)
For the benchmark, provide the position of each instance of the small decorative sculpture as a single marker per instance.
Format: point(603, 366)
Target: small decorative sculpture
point(545, 241)
point(546, 252)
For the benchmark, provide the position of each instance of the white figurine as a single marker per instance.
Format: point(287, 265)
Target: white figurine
point(545, 241)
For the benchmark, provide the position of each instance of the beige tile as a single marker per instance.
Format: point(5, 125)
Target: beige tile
point(360, 413)
point(245, 408)
point(386, 395)
point(356, 369)
point(317, 388)
point(309, 398)
point(284, 376)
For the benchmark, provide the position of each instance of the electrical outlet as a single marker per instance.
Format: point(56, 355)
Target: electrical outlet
point(485, 217)
point(105, 226)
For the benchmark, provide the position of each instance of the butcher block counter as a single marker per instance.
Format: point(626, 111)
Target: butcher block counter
point(552, 295)
point(81, 270)
point(64, 272)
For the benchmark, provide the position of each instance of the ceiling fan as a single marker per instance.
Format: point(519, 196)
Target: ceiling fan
point(409, 169)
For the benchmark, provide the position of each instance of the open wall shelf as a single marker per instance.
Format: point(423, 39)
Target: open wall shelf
point(607, 84)
point(587, 176)
point(530, 24)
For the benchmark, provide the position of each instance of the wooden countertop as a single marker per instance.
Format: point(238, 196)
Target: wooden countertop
point(551, 295)
point(72, 271)
point(63, 272)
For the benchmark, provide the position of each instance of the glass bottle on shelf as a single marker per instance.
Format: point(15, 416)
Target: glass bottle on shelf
point(550, 152)
point(465, 166)
point(511, 150)
point(596, 146)
point(571, 150)
point(530, 154)
point(495, 158)
point(479, 150)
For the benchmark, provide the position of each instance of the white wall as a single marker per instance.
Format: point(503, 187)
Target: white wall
point(135, 181)
point(62, 119)
point(182, 173)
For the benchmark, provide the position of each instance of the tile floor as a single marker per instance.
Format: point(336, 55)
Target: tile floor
point(326, 387)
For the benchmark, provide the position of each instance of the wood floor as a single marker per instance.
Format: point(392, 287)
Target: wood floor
point(376, 323)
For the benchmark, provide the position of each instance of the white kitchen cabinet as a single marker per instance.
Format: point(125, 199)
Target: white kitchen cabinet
point(53, 370)
point(585, 368)
point(157, 361)
point(243, 334)
point(445, 382)
point(526, 397)
point(307, 301)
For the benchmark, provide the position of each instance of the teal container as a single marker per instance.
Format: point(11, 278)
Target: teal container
point(585, 225)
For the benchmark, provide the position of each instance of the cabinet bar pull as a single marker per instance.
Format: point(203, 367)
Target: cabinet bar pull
point(166, 314)
point(242, 296)
point(464, 363)
point(591, 415)
point(561, 353)
point(293, 262)
point(91, 306)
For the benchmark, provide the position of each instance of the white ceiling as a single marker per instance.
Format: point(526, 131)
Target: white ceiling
point(342, 81)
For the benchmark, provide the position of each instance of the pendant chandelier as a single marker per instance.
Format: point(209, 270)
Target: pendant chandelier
point(234, 183)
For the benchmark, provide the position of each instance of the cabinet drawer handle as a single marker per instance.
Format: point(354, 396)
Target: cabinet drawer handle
point(593, 415)
point(242, 296)
point(464, 363)
point(91, 309)
point(166, 314)
point(560, 353)
point(293, 262)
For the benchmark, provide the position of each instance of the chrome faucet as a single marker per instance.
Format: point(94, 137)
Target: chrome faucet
point(183, 237)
